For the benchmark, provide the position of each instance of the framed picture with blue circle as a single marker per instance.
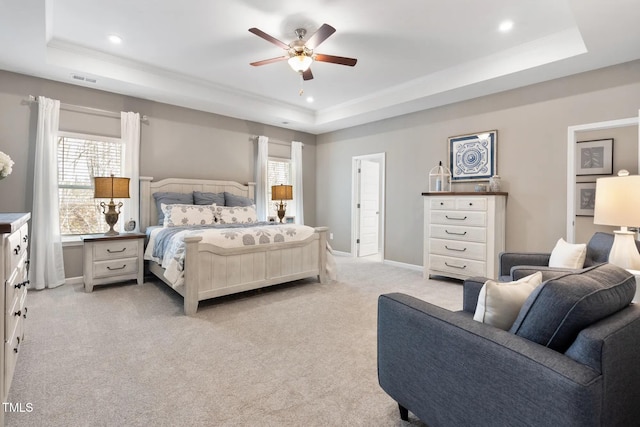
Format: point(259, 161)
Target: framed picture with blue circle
point(473, 157)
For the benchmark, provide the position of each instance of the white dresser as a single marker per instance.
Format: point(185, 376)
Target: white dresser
point(463, 233)
point(14, 270)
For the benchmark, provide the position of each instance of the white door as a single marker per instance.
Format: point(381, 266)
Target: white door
point(369, 208)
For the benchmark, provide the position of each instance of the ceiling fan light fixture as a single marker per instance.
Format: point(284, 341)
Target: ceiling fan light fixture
point(300, 63)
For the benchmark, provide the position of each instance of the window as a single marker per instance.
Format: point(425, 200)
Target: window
point(278, 172)
point(80, 158)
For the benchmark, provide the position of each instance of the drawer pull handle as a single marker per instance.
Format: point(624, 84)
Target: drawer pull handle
point(453, 217)
point(15, 350)
point(455, 234)
point(25, 313)
point(18, 313)
point(455, 266)
point(25, 238)
point(116, 268)
point(117, 252)
point(455, 249)
point(16, 250)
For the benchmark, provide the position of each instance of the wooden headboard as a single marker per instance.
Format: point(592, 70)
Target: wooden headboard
point(148, 211)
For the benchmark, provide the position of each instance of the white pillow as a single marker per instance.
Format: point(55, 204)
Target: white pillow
point(500, 302)
point(568, 255)
point(236, 214)
point(178, 215)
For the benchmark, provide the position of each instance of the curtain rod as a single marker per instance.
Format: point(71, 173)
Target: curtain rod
point(89, 110)
point(276, 142)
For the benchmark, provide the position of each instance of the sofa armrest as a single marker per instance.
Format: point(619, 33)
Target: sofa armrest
point(448, 369)
point(519, 271)
point(508, 260)
point(470, 292)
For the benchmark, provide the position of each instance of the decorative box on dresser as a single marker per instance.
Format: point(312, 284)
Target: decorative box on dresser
point(112, 259)
point(463, 233)
point(14, 270)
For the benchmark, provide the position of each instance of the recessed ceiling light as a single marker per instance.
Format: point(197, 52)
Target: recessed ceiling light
point(309, 99)
point(506, 26)
point(115, 39)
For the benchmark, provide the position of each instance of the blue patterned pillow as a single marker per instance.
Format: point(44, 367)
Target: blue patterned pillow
point(184, 215)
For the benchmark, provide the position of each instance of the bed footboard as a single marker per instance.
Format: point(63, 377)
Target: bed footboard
point(211, 271)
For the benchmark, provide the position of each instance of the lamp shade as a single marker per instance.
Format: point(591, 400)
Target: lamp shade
point(111, 187)
point(618, 201)
point(282, 192)
point(300, 62)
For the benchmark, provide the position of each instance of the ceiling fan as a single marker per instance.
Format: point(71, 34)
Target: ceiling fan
point(300, 54)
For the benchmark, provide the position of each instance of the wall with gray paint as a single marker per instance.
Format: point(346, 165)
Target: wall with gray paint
point(175, 142)
point(532, 156)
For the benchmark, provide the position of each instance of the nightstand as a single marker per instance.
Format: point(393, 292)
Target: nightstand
point(112, 259)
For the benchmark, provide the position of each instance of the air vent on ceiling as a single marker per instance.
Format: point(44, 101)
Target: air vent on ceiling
point(83, 78)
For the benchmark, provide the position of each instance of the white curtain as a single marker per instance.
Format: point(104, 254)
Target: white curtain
point(130, 135)
point(261, 177)
point(46, 269)
point(296, 171)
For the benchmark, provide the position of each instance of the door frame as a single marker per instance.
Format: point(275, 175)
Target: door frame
point(379, 158)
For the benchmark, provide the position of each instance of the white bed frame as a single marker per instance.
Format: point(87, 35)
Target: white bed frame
point(211, 271)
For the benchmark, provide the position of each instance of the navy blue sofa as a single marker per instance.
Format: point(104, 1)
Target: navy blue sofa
point(572, 358)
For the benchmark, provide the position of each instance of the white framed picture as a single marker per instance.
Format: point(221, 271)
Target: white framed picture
point(585, 198)
point(473, 157)
point(594, 157)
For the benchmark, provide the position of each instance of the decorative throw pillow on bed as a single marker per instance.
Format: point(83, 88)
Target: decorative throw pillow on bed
point(234, 200)
point(236, 214)
point(176, 215)
point(169, 198)
point(204, 198)
point(500, 302)
point(568, 255)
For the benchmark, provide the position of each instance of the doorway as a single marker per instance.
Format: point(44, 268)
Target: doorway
point(367, 206)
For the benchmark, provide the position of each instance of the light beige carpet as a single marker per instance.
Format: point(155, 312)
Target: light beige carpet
point(300, 354)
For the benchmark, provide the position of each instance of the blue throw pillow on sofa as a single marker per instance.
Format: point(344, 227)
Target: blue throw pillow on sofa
point(560, 308)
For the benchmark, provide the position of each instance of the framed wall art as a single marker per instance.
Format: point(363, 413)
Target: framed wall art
point(473, 157)
point(594, 157)
point(585, 198)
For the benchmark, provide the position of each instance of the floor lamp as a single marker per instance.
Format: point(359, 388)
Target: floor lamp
point(618, 204)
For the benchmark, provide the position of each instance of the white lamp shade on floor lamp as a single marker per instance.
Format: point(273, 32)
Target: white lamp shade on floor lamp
point(618, 204)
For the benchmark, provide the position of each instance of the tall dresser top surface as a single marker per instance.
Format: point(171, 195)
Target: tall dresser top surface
point(466, 193)
point(10, 222)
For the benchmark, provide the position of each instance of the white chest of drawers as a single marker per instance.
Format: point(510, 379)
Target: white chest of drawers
point(14, 231)
point(463, 234)
point(112, 259)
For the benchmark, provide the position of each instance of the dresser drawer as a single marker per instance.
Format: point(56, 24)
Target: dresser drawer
point(458, 249)
point(16, 284)
point(437, 203)
point(472, 204)
point(113, 268)
point(452, 232)
point(17, 247)
point(116, 249)
point(475, 219)
point(457, 266)
point(12, 347)
point(14, 313)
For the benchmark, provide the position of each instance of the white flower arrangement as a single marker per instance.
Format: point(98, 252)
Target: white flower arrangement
point(5, 165)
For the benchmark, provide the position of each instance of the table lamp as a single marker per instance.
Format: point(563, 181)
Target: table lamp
point(281, 192)
point(618, 203)
point(111, 187)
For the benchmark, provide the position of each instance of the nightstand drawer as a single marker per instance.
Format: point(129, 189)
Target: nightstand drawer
point(116, 267)
point(116, 249)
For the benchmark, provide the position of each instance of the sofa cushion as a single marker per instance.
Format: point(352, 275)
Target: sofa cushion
point(560, 308)
point(499, 302)
point(568, 255)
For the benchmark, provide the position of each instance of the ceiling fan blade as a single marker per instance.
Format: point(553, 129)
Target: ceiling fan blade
point(269, 61)
point(307, 75)
point(335, 59)
point(319, 36)
point(269, 38)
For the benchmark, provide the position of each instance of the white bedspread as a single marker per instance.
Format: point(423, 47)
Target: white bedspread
point(172, 260)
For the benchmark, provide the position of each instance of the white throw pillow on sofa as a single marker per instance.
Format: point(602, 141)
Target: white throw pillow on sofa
point(568, 255)
point(500, 302)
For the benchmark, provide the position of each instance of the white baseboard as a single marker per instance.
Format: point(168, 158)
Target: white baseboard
point(340, 253)
point(74, 280)
point(403, 265)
